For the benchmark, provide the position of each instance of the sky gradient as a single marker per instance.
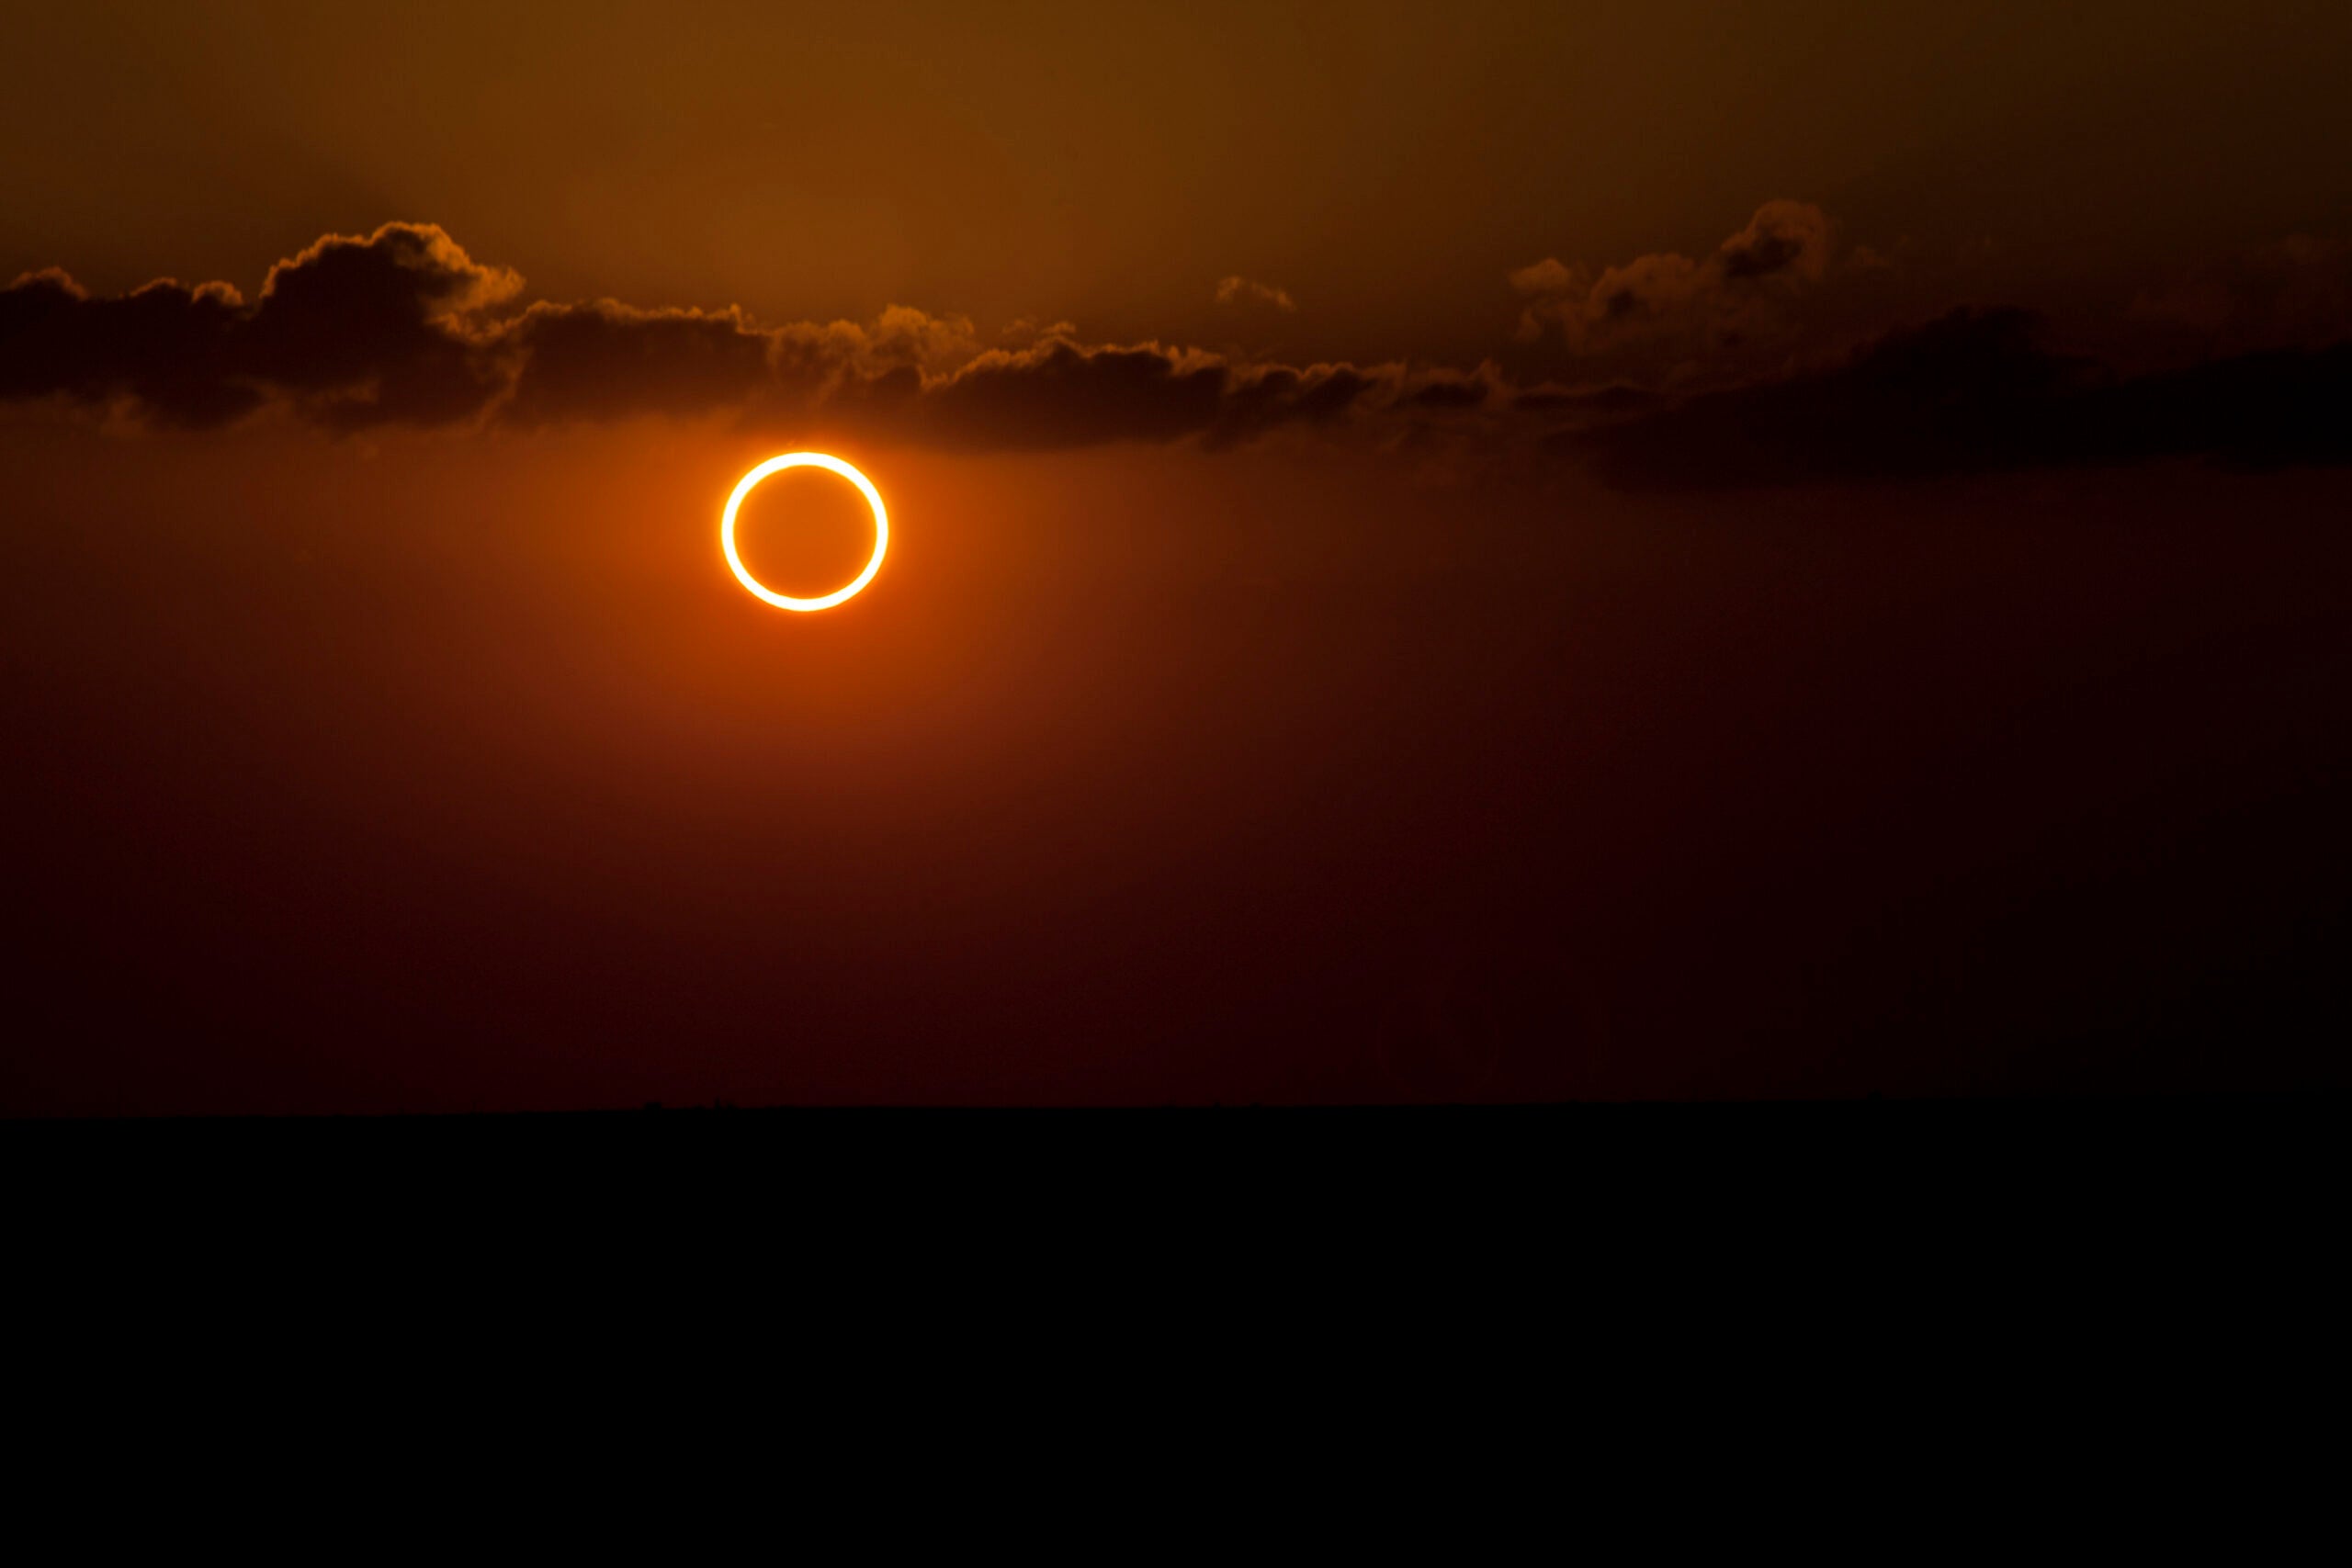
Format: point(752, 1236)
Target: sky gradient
point(1524, 553)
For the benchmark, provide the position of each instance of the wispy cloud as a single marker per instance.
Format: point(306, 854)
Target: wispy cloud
point(1237, 290)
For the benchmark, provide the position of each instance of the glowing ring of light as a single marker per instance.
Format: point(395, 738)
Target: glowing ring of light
point(805, 460)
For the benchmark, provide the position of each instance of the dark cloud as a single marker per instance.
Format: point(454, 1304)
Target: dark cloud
point(1617, 397)
point(1450, 389)
point(384, 330)
point(1263, 397)
point(360, 331)
point(1677, 300)
point(171, 348)
point(1980, 391)
point(1784, 238)
point(1058, 394)
point(608, 361)
point(2295, 292)
point(403, 327)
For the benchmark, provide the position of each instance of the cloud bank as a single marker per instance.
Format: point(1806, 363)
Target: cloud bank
point(1981, 391)
point(402, 328)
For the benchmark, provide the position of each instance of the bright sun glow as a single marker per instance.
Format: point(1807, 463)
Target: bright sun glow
point(832, 466)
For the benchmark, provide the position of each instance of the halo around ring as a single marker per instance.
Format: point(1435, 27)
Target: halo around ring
point(805, 460)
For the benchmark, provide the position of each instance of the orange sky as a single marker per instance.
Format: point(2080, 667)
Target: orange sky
point(1386, 164)
point(1791, 550)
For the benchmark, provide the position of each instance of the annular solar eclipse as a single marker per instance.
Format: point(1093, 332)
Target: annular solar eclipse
point(831, 465)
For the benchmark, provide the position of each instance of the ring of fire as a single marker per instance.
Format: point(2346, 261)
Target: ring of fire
point(805, 460)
